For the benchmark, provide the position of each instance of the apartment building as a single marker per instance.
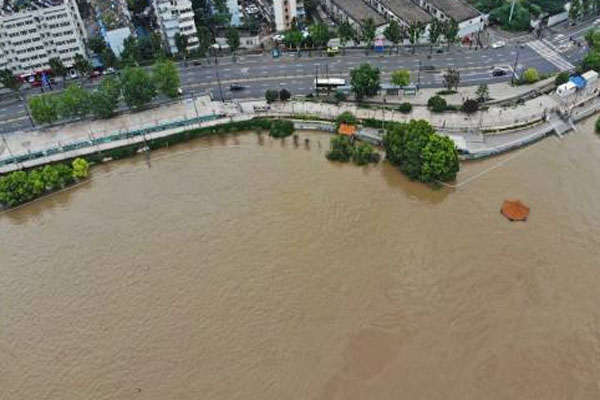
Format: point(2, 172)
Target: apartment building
point(46, 29)
point(173, 17)
point(285, 12)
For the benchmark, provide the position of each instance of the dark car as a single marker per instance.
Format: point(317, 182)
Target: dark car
point(428, 68)
point(499, 72)
point(236, 87)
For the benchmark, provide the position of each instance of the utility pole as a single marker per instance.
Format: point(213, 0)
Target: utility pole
point(512, 9)
point(317, 80)
point(419, 76)
point(218, 78)
point(512, 79)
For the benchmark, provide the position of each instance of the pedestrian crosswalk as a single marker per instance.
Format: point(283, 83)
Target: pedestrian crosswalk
point(550, 55)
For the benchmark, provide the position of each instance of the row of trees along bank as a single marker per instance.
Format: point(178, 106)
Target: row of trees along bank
point(21, 187)
point(135, 86)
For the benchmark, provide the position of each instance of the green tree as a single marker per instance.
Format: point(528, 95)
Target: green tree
point(452, 78)
point(592, 37)
point(181, 42)
point(368, 32)
point(233, 40)
point(436, 29)
point(401, 77)
point(137, 6)
point(364, 81)
point(74, 102)
point(561, 78)
point(415, 31)
point(363, 154)
point(106, 99)
point(204, 39)
point(346, 33)
point(96, 44)
point(470, 106)
point(451, 30)
point(596, 6)
point(483, 92)
point(166, 77)
point(150, 47)
point(340, 149)
point(439, 160)
point(586, 6)
point(319, 33)
point(519, 22)
point(82, 65)
point(419, 152)
point(437, 104)
point(575, 10)
point(531, 75)
point(281, 128)
point(284, 95)
point(293, 38)
point(271, 95)
point(591, 61)
point(108, 58)
point(58, 68)
point(44, 109)
point(131, 52)
point(394, 33)
point(137, 87)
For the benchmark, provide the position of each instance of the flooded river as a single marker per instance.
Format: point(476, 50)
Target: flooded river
point(234, 269)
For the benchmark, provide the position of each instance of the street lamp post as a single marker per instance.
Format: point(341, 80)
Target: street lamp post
point(512, 79)
point(419, 76)
point(217, 73)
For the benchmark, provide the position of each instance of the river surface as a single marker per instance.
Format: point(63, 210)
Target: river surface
point(235, 269)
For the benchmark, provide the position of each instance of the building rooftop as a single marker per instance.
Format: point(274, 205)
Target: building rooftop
point(407, 10)
point(358, 10)
point(10, 8)
point(456, 9)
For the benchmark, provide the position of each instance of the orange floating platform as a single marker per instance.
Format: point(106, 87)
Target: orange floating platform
point(514, 210)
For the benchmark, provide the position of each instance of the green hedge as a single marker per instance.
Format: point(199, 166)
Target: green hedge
point(21, 187)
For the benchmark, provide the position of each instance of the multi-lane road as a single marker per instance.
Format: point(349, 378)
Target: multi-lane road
point(261, 72)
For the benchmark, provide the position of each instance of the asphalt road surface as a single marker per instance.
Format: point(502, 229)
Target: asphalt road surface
point(257, 73)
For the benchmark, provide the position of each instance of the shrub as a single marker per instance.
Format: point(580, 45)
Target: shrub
point(598, 125)
point(340, 149)
point(362, 154)
point(531, 75)
point(446, 92)
point(405, 108)
point(80, 168)
point(281, 128)
point(561, 78)
point(470, 106)
point(437, 104)
point(340, 96)
point(271, 95)
point(284, 95)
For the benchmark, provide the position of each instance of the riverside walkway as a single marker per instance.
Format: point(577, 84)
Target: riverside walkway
point(484, 133)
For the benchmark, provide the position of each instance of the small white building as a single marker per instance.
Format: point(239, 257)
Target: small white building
point(115, 38)
point(284, 12)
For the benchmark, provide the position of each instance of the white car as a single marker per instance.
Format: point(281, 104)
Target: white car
point(498, 44)
point(109, 71)
point(73, 73)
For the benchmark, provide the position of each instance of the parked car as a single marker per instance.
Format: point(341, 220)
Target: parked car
point(73, 74)
point(95, 74)
point(498, 44)
point(428, 68)
point(197, 63)
point(179, 91)
point(108, 71)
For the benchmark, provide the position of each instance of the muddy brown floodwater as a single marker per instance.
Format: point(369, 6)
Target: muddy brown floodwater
point(232, 269)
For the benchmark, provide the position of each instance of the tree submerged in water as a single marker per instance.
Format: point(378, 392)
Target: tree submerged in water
point(342, 149)
point(421, 153)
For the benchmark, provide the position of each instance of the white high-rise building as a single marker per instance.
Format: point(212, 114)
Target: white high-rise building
point(284, 12)
point(47, 29)
point(176, 16)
